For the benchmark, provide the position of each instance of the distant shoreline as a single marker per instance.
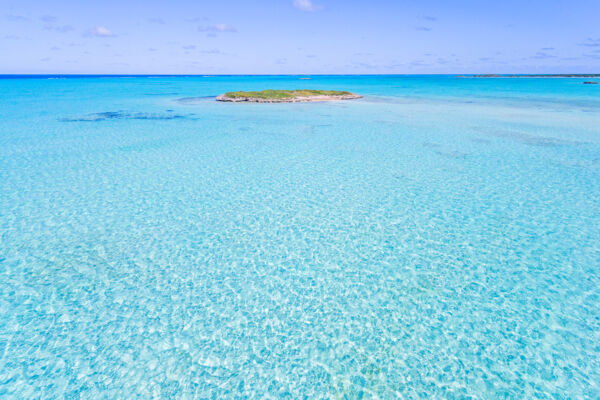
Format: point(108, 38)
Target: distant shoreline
point(530, 76)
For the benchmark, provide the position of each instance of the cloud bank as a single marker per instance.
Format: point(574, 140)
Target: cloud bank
point(217, 28)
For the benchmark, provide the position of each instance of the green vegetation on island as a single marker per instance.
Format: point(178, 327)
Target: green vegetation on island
point(277, 96)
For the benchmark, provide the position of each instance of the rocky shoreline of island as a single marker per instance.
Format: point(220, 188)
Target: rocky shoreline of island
point(287, 96)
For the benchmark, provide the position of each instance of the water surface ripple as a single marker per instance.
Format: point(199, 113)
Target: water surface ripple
point(437, 239)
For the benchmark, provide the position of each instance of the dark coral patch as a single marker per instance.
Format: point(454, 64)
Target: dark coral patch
point(103, 116)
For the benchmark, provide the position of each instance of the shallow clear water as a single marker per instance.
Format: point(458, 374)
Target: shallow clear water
point(437, 239)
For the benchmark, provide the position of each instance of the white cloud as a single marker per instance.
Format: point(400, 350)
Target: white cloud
point(212, 51)
point(589, 42)
point(306, 5)
point(217, 28)
point(225, 28)
point(60, 29)
point(101, 32)
point(48, 18)
point(156, 20)
point(16, 18)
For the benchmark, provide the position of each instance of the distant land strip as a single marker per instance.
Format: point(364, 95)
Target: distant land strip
point(530, 76)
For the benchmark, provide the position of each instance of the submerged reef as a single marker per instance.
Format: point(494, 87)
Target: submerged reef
point(192, 100)
point(102, 116)
point(527, 139)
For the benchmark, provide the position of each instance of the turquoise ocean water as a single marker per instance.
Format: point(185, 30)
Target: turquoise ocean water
point(438, 238)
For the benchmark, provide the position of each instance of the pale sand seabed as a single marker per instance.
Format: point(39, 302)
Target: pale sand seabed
point(436, 239)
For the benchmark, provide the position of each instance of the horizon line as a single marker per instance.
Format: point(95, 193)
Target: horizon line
point(491, 75)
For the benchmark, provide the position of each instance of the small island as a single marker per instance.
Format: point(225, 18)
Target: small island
point(287, 96)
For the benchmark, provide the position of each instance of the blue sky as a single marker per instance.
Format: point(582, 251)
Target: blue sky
point(299, 36)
